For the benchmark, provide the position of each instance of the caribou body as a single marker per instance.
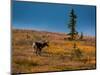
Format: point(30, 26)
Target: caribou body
point(38, 46)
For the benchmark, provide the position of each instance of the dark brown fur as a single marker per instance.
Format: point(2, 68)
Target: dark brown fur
point(38, 46)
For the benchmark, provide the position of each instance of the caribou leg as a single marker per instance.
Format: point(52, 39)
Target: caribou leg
point(39, 51)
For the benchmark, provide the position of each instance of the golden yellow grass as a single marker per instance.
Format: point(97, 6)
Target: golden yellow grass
point(56, 57)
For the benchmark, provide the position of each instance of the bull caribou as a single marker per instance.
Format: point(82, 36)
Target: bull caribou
point(38, 46)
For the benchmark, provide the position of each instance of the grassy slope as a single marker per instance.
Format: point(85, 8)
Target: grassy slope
point(56, 57)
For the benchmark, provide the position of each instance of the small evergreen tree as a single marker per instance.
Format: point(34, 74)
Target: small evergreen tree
point(76, 52)
point(81, 37)
point(72, 24)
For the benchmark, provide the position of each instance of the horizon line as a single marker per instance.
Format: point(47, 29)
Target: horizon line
point(48, 31)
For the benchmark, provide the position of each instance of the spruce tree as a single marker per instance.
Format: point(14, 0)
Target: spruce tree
point(81, 37)
point(72, 24)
